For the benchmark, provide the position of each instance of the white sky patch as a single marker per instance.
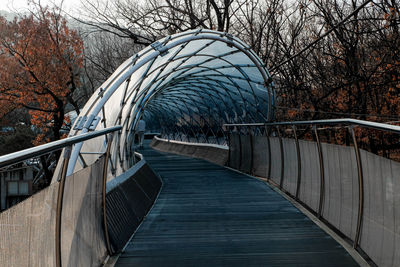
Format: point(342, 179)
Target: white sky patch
point(22, 5)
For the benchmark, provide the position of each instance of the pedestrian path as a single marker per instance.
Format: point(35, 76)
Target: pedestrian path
point(207, 215)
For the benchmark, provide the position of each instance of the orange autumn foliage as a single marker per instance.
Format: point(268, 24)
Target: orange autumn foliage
point(40, 61)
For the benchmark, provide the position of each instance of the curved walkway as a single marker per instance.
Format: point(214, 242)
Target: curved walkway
point(207, 215)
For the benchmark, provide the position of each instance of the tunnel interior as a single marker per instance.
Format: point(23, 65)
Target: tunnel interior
point(185, 86)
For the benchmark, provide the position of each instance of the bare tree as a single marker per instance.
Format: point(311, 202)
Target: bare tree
point(104, 52)
point(347, 72)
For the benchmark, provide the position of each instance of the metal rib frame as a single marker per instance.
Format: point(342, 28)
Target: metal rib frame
point(189, 83)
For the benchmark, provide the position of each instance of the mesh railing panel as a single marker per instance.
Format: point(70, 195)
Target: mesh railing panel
point(380, 228)
point(260, 160)
point(82, 234)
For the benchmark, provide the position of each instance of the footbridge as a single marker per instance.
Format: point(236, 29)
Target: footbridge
point(220, 182)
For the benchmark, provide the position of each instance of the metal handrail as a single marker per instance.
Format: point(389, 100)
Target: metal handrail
point(25, 154)
point(66, 143)
point(139, 155)
point(347, 121)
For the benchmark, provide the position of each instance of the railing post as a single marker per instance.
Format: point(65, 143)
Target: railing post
point(282, 158)
point(322, 173)
point(298, 162)
point(252, 150)
point(60, 197)
point(360, 188)
point(269, 153)
point(104, 191)
point(228, 140)
point(240, 151)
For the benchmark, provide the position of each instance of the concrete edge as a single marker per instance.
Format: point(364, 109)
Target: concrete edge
point(213, 153)
point(112, 260)
point(191, 144)
point(116, 181)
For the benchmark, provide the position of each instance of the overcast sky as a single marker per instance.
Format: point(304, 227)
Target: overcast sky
point(21, 5)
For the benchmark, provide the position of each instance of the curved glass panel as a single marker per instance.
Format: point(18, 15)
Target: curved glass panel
point(185, 86)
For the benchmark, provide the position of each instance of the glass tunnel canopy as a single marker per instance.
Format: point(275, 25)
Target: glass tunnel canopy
point(185, 86)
